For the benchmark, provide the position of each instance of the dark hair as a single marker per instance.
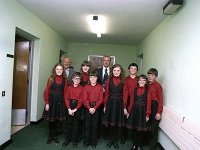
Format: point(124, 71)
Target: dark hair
point(144, 77)
point(122, 75)
point(134, 65)
point(53, 73)
point(77, 74)
point(106, 56)
point(153, 71)
point(93, 73)
point(85, 63)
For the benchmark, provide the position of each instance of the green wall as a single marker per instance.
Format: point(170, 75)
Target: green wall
point(124, 54)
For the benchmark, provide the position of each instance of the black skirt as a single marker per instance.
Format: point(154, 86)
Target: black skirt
point(57, 109)
point(137, 117)
point(114, 115)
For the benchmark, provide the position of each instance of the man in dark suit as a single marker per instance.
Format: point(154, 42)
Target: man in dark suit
point(66, 61)
point(104, 71)
point(103, 74)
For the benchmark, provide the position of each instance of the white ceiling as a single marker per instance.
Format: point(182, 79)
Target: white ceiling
point(128, 21)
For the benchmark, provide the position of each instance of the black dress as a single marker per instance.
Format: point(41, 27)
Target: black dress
point(114, 115)
point(57, 109)
point(137, 116)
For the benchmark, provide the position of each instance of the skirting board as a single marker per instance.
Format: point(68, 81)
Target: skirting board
point(5, 144)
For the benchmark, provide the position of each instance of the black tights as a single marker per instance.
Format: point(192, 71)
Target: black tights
point(53, 125)
point(138, 138)
point(113, 134)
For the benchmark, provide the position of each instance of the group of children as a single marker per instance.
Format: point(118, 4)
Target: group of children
point(134, 102)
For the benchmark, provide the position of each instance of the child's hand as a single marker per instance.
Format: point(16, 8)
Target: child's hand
point(47, 107)
point(147, 119)
point(104, 109)
point(94, 110)
point(125, 112)
point(158, 116)
point(70, 112)
point(127, 115)
point(74, 110)
point(91, 110)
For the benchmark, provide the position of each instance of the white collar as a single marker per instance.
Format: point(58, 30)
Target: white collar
point(105, 68)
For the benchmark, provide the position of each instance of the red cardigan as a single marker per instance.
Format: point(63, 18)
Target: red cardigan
point(58, 80)
point(74, 93)
point(128, 90)
point(156, 94)
point(93, 94)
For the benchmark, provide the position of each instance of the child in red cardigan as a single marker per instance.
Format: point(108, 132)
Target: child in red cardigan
point(156, 106)
point(130, 83)
point(113, 104)
point(54, 110)
point(73, 101)
point(93, 98)
point(138, 118)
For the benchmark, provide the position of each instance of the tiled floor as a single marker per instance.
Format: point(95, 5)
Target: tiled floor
point(14, 129)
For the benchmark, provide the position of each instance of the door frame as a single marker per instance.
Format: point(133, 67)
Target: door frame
point(25, 35)
point(140, 63)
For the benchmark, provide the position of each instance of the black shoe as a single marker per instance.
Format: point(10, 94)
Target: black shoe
point(50, 140)
point(86, 145)
point(74, 145)
point(133, 148)
point(109, 144)
point(116, 146)
point(65, 143)
point(122, 141)
point(55, 139)
point(140, 148)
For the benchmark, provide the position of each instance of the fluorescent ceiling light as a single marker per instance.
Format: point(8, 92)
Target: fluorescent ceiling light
point(98, 35)
point(172, 6)
point(97, 24)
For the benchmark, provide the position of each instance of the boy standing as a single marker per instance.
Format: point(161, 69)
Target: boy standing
point(156, 106)
point(92, 98)
point(73, 101)
point(130, 83)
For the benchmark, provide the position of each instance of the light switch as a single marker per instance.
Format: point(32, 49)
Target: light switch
point(3, 93)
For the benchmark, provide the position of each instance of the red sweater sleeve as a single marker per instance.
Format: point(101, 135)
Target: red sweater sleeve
point(100, 97)
point(47, 91)
point(66, 85)
point(131, 102)
point(160, 98)
point(80, 97)
point(148, 108)
point(125, 93)
point(67, 95)
point(85, 97)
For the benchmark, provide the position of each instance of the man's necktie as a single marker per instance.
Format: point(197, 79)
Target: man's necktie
point(105, 76)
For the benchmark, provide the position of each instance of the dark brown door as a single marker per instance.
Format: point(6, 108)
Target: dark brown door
point(20, 77)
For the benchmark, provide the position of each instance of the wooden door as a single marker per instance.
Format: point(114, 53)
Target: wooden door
point(20, 77)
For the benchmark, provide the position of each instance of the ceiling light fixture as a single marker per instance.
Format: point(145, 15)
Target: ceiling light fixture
point(97, 24)
point(172, 6)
